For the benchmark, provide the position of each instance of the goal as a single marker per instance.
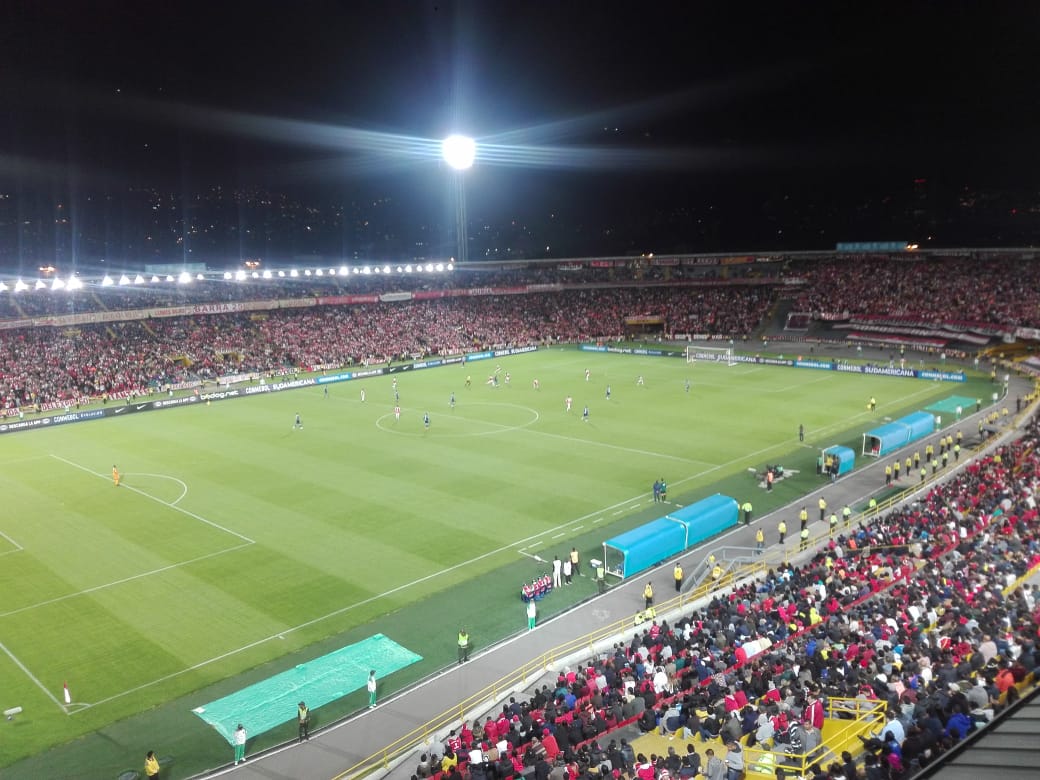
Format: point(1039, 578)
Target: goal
point(717, 354)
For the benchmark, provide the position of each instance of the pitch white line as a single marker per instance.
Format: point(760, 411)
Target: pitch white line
point(184, 487)
point(526, 543)
point(32, 677)
point(17, 547)
point(559, 535)
point(190, 514)
point(131, 578)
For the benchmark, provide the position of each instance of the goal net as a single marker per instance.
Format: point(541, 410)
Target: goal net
point(716, 354)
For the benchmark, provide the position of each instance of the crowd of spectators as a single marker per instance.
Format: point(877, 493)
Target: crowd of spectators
point(162, 293)
point(987, 292)
point(908, 613)
point(137, 357)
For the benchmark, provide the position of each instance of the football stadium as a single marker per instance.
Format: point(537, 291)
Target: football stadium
point(464, 479)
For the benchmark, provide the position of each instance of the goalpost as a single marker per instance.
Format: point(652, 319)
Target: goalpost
point(717, 354)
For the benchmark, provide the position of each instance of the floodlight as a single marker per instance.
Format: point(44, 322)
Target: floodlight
point(307, 272)
point(73, 283)
point(429, 268)
point(294, 273)
point(200, 277)
point(267, 274)
point(169, 278)
point(20, 285)
point(318, 272)
point(107, 281)
point(386, 269)
point(377, 270)
point(40, 284)
point(183, 277)
point(451, 266)
point(281, 274)
point(3, 287)
point(458, 151)
point(440, 267)
point(57, 284)
point(255, 275)
point(399, 269)
point(366, 270)
point(154, 278)
point(227, 276)
point(408, 268)
point(343, 270)
point(139, 279)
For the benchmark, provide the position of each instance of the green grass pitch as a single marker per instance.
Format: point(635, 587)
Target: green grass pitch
point(238, 545)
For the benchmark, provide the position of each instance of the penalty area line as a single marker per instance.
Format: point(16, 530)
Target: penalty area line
point(33, 678)
point(140, 492)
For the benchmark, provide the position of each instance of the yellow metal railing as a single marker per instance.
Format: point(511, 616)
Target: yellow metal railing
point(486, 697)
point(865, 714)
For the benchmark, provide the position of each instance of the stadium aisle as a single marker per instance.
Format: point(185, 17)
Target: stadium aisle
point(330, 752)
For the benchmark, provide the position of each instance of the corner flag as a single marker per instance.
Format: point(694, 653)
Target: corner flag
point(68, 696)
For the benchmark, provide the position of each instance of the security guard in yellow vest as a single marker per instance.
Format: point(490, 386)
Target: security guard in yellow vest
point(746, 509)
point(463, 645)
point(677, 573)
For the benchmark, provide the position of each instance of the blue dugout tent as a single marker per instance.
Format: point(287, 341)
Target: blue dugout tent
point(888, 438)
point(649, 544)
point(843, 459)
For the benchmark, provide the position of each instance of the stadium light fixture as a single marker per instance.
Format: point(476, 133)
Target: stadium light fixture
point(267, 274)
point(294, 273)
point(459, 151)
point(307, 272)
point(256, 275)
point(429, 268)
point(399, 269)
point(3, 287)
point(343, 270)
point(386, 269)
point(377, 270)
point(183, 277)
point(440, 267)
point(20, 285)
point(227, 276)
point(281, 274)
point(123, 280)
point(318, 272)
point(408, 268)
point(73, 283)
point(107, 281)
point(58, 283)
point(40, 284)
point(155, 279)
point(366, 270)
point(451, 266)
point(240, 275)
point(139, 279)
point(200, 277)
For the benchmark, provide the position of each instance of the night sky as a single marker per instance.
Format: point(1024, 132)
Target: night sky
point(640, 105)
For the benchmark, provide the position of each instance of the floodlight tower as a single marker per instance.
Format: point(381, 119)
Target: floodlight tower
point(459, 152)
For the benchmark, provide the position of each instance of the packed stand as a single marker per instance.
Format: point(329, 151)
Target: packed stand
point(71, 365)
point(907, 612)
point(954, 290)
